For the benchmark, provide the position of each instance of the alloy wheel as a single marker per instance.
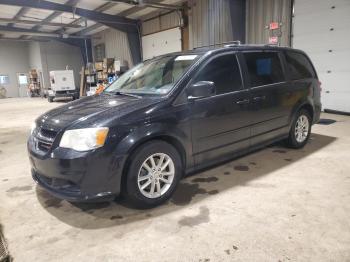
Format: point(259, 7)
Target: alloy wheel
point(301, 129)
point(156, 175)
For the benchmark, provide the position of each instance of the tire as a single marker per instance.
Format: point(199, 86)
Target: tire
point(143, 198)
point(299, 139)
point(50, 99)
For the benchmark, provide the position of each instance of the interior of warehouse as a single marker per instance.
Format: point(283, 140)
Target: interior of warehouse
point(59, 58)
point(74, 41)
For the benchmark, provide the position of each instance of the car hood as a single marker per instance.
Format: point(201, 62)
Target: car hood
point(88, 108)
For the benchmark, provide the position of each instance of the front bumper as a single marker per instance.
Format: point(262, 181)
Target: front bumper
point(68, 192)
point(64, 94)
point(77, 176)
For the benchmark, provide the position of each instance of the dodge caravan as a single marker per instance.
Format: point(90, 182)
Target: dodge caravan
point(172, 115)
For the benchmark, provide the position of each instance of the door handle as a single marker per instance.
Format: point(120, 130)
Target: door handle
point(259, 98)
point(242, 102)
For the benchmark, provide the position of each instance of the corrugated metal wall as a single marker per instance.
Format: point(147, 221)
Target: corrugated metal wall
point(209, 22)
point(161, 23)
point(259, 15)
point(116, 42)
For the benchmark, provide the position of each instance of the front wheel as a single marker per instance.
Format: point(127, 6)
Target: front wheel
point(300, 131)
point(153, 174)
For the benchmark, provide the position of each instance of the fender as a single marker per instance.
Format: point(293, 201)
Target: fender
point(301, 103)
point(167, 131)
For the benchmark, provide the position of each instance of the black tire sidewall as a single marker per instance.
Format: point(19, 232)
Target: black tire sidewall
point(132, 192)
point(292, 139)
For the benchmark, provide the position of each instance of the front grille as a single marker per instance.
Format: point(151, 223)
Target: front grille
point(44, 139)
point(48, 133)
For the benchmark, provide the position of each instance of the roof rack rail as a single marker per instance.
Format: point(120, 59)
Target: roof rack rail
point(225, 44)
point(233, 43)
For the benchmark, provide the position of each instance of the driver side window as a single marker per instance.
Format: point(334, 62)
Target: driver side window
point(224, 72)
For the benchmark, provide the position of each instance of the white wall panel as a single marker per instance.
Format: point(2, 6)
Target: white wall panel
point(322, 29)
point(161, 43)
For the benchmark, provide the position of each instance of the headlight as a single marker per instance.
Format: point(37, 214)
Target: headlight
point(32, 127)
point(84, 139)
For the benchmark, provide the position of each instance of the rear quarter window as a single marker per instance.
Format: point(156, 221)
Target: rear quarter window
point(264, 68)
point(298, 66)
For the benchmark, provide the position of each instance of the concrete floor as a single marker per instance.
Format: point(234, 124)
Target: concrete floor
point(273, 205)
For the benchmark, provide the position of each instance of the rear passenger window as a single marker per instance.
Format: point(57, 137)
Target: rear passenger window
point(264, 68)
point(298, 66)
point(224, 72)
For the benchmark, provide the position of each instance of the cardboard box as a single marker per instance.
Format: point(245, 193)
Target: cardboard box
point(108, 65)
point(99, 66)
point(108, 62)
point(120, 64)
point(100, 75)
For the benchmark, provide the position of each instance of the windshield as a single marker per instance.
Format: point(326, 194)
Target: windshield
point(154, 77)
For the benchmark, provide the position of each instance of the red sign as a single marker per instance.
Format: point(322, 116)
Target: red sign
point(274, 25)
point(273, 40)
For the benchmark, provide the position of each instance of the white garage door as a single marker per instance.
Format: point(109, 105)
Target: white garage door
point(322, 29)
point(161, 43)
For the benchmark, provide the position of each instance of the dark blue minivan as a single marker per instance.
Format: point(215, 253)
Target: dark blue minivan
point(172, 115)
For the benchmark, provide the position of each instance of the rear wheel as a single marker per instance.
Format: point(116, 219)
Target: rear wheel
point(300, 131)
point(153, 174)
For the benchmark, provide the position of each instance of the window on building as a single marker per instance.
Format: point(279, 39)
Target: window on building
point(4, 79)
point(264, 68)
point(22, 79)
point(298, 66)
point(224, 72)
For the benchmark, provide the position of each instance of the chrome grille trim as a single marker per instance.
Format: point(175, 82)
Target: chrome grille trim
point(44, 138)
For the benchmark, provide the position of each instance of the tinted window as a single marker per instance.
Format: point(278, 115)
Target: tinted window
point(298, 66)
point(224, 72)
point(264, 68)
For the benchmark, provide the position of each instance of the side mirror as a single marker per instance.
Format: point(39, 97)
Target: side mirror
point(201, 89)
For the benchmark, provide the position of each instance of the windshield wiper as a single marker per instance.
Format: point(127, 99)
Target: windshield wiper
point(126, 94)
